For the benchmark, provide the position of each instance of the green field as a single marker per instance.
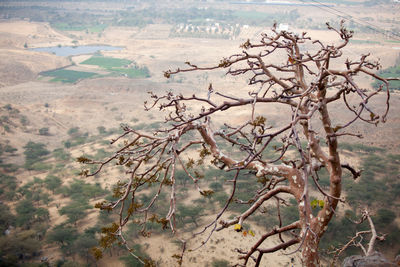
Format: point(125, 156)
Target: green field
point(95, 28)
point(392, 72)
point(67, 76)
point(133, 73)
point(117, 66)
point(106, 62)
point(68, 27)
point(114, 67)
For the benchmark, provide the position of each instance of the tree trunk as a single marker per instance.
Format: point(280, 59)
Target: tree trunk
point(309, 253)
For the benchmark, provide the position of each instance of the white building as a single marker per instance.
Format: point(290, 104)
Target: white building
point(283, 27)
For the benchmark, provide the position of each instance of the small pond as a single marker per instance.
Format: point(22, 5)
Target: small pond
point(66, 51)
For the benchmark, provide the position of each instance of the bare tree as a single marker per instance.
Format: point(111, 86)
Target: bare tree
point(358, 239)
point(307, 84)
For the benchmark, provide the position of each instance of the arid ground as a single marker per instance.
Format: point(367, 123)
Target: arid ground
point(110, 101)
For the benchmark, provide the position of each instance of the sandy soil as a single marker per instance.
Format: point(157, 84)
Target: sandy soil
point(218, 247)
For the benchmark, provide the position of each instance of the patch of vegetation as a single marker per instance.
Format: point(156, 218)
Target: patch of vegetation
point(76, 138)
point(61, 154)
point(189, 215)
point(256, 18)
point(68, 26)
point(9, 116)
point(24, 120)
point(355, 41)
point(76, 26)
point(34, 154)
point(130, 261)
point(392, 72)
point(52, 182)
point(81, 191)
point(67, 76)
point(33, 191)
point(97, 28)
point(119, 66)
point(137, 72)
point(73, 131)
point(107, 62)
point(356, 147)
point(22, 245)
point(378, 179)
point(64, 236)
point(75, 211)
point(220, 263)
point(6, 148)
point(101, 154)
point(44, 131)
point(8, 185)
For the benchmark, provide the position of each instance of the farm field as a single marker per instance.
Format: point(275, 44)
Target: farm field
point(106, 66)
point(117, 66)
point(107, 63)
point(67, 76)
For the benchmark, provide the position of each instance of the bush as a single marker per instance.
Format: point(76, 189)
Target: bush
point(67, 144)
point(52, 182)
point(384, 217)
point(34, 153)
point(79, 190)
point(73, 131)
point(75, 211)
point(7, 219)
point(24, 120)
point(221, 198)
point(63, 235)
point(216, 186)
point(220, 263)
point(25, 213)
point(102, 130)
point(60, 153)
point(130, 261)
point(44, 131)
point(40, 166)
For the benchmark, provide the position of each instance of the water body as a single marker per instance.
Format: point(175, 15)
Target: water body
point(65, 51)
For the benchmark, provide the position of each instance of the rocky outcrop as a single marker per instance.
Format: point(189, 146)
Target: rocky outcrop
point(374, 260)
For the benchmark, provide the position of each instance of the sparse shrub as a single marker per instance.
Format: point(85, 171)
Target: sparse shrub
point(133, 262)
point(24, 120)
point(52, 182)
point(44, 131)
point(102, 130)
point(75, 211)
point(67, 144)
point(61, 154)
point(8, 107)
point(216, 186)
point(73, 131)
point(40, 166)
point(220, 263)
point(34, 153)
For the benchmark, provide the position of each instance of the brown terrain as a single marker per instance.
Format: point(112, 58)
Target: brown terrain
point(110, 101)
